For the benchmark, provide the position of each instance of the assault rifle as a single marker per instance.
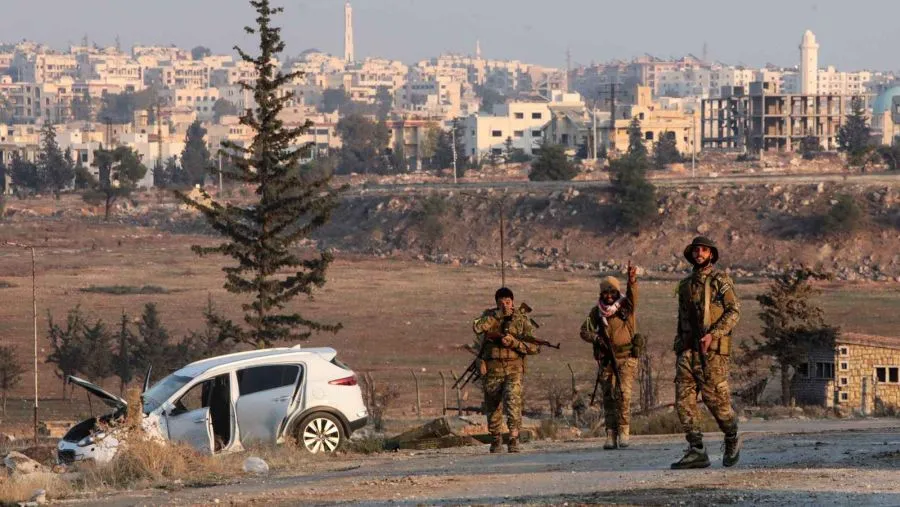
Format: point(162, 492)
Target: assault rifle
point(609, 358)
point(472, 372)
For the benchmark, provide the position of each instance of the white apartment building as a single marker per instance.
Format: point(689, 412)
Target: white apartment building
point(520, 121)
point(116, 69)
point(44, 67)
point(439, 97)
point(200, 100)
point(179, 74)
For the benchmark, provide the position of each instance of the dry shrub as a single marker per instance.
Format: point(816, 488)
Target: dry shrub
point(145, 462)
point(368, 445)
point(20, 488)
point(548, 429)
point(667, 423)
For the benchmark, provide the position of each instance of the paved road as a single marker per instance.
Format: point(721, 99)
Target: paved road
point(816, 463)
point(728, 180)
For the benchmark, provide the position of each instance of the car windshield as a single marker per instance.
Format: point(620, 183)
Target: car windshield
point(162, 390)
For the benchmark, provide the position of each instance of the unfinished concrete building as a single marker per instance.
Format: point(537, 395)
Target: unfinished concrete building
point(767, 120)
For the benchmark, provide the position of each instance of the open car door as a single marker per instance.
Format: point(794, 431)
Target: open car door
point(188, 420)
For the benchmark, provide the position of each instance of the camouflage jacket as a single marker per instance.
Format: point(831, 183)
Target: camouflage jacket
point(519, 330)
point(622, 325)
point(724, 310)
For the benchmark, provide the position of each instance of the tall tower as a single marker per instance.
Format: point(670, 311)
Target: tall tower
point(348, 32)
point(809, 64)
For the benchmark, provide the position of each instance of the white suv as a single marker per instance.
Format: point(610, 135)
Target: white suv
point(223, 403)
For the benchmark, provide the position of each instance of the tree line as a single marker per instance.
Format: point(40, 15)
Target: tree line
point(82, 345)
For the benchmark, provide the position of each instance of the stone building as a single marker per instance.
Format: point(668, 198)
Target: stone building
point(860, 374)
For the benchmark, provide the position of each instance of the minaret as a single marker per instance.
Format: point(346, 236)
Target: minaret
point(348, 33)
point(478, 49)
point(809, 64)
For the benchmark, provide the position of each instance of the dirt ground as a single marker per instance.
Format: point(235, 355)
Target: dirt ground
point(398, 315)
point(783, 463)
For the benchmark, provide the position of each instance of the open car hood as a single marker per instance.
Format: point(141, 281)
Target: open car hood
point(107, 398)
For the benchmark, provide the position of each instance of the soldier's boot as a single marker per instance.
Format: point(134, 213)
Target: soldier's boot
point(732, 450)
point(610, 440)
point(513, 445)
point(695, 457)
point(624, 437)
point(497, 445)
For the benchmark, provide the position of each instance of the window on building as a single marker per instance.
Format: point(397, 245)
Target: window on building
point(844, 381)
point(845, 396)
point(845, 366)
point(648, 135)
point(497, 133)
point(536, 133)
point(564, 138)
point(824, 370)
point(536, 116)
point(881, 374)
point(520, 116)
point(497, 151)
point(518, 133)
point(641, 117)
point(803, 370)
point(844, 351)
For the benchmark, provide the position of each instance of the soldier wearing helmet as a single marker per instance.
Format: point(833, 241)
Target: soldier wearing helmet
point(708, 311)
point(612, 321)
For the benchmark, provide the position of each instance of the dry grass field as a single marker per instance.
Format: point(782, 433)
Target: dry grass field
point(397, 315)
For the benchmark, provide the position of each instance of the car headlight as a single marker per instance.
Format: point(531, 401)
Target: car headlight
point(91, 439)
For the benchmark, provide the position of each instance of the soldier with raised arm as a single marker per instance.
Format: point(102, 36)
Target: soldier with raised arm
point(610, 327)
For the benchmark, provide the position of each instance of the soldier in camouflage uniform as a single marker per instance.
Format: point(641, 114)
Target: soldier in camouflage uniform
point(613, 318)
point(708, 310)
point(501, 335)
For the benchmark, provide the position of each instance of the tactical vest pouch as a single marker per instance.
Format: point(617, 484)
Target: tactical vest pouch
point(724, 345)
point(638, 345)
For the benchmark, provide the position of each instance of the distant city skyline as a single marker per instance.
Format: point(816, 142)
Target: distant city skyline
point(410, 30)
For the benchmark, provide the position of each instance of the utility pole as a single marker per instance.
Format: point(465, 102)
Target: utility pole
point(613, 93)
point(220, 172)
point(34, 316)
point(35, 329)
point(453, 142)
point(693, 144)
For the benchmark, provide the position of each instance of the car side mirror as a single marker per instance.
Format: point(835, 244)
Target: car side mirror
point(168, 407)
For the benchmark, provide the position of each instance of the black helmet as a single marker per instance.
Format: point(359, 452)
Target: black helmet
point(503, 292)
point(702, 241)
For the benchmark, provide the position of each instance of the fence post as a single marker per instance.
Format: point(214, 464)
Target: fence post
point(458, 394)
point(418, 398)
point(444, 393)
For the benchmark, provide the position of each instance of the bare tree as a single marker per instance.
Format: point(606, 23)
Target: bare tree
point(11, 371)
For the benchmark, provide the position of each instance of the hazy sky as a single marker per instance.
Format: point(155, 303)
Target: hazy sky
point(853, 35)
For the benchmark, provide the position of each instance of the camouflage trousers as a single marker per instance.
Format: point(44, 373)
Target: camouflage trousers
point(713, 387)
point(503, 389)
point(617, 409)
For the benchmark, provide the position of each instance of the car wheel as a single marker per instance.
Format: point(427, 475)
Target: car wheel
point(320, 433)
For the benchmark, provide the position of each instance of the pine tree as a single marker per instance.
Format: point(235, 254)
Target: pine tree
point(54, 165)
point(195, 159)
point(552, 164)
point(635, 195)
point(66, 345)
point(636, 147)
point(854, 135)
point(11, 370)
point(665, 151)
point(119, 172)
point(97, 346)
point(25, 176)
point(153, 349)
point(792, 325)
point(287, 208)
